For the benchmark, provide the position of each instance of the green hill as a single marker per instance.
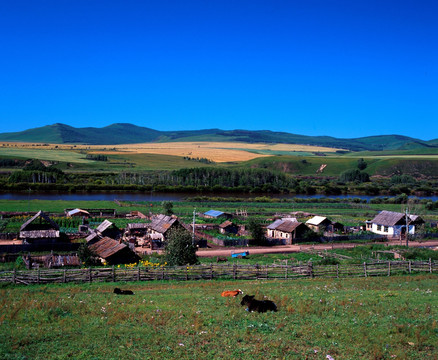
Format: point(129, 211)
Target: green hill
point(124, 133)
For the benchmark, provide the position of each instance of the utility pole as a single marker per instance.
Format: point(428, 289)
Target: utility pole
point(193, 226)
point(407, 227)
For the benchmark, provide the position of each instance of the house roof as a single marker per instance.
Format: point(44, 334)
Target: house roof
point(284, 225)
point(316, 220)
point(77, 211)
point(392, 218)
point(37, 215)
point(107, 247)
point(225, 224)
point(39, 234)
point(96, 233)
point(214, 213)
point(138, 226)
point(162, 223)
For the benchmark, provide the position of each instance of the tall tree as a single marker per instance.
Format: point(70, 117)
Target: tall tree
point(179, 249)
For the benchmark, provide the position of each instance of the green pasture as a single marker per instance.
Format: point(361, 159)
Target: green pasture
point(372, 318)
point(49, 155)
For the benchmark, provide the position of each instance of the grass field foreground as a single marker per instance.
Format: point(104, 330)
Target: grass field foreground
point(374, 318)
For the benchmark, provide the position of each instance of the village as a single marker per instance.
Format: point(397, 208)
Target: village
point(213, 232)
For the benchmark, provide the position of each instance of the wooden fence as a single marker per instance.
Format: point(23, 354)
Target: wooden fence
point(216, 271)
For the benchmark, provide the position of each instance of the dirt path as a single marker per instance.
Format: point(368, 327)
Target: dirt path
point(285, 249)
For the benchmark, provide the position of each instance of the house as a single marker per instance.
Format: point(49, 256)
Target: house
point(287, 229)
point(137, 229)
point(318, 223)
point(228, 227)
point(113, 252)
point(78, 212)
point(393, 224)
point(161, 225)
point(40, 228)
point(105, 229)
point(216, 214)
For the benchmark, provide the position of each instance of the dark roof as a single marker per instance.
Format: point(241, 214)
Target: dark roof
point(107, 247)
point(391, 218)
point(97, 233)
point(37, 215)
point(162, 223)
point(284, 225)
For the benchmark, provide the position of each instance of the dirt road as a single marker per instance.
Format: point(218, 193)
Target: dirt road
point(284, 249)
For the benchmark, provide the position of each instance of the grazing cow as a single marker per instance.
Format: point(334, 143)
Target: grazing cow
point(258, 305)
point(123, 292)
point(231, 293)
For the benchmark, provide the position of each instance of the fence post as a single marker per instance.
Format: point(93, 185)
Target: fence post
point(234, 271)
point(38, 275)
point(285, 275)
point(14, 276)
point(389, 268)
point(430, 265)
point(211, 271)
point(365, 269)
point(337, 271)
point(310, 268)
point(138, 274)
point(410, 267)
point(114, 274)
point(267, 271)
point(187, 272)
point(89, 275)
point(64, 277)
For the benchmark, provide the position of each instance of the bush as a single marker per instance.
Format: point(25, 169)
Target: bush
point(179, 249)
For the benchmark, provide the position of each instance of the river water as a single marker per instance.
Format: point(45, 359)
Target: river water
point(111, 196)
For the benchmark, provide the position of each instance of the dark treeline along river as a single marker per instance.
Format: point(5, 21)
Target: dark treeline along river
point(123, 196)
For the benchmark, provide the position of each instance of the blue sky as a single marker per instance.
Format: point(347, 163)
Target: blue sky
point(338, 68)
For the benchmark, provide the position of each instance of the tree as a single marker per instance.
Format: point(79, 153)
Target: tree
point(179, 249)
point(257, 233)
point(168, 207)
point(87, 256)
point(361, 164)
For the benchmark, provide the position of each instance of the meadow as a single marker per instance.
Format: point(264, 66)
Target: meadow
point(373, 318)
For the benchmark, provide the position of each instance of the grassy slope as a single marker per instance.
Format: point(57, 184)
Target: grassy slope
point(380, 318)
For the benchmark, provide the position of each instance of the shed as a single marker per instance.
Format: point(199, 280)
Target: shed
point(105, 229)
point(40, 228)
point(216, 214)
point(160, 226)
point(318, 223)
point(113, 252)
point(78, 212)
point(228, 227)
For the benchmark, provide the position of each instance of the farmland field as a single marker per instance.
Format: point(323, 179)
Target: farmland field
point(373, 318)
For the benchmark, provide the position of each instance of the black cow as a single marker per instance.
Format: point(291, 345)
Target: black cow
point(123, 292)
point(258, 305)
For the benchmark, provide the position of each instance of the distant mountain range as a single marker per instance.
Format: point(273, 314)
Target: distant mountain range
point(125, 133)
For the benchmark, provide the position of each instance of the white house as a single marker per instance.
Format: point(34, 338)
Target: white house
point(393, 224)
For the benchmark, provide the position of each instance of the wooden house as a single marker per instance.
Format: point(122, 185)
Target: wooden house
point(227, 227)
point(105, 229)
point(393, 224)
point(40, 228)
point(161, 225)
point(318, 223)
point(113, 252)
point(137, 229)
point(286, 229)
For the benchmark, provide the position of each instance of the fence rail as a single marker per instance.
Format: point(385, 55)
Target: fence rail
point(216, 271)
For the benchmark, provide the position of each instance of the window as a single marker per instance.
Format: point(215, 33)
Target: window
point(385, 229)
point(379, 227)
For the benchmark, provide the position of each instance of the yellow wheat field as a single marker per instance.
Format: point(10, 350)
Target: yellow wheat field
point(215, 151)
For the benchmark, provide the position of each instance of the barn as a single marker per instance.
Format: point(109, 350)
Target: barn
point(113, 252)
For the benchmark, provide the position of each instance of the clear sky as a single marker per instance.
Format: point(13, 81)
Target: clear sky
point(347, 68)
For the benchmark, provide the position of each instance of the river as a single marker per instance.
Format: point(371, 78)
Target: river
point(123, 196)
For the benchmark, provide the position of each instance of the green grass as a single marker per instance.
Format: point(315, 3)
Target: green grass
point(378, 318)
point(49, 155)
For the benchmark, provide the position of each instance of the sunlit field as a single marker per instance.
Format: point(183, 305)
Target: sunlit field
point(373, 318)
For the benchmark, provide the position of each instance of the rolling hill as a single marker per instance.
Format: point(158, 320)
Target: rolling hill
point(124, 133)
